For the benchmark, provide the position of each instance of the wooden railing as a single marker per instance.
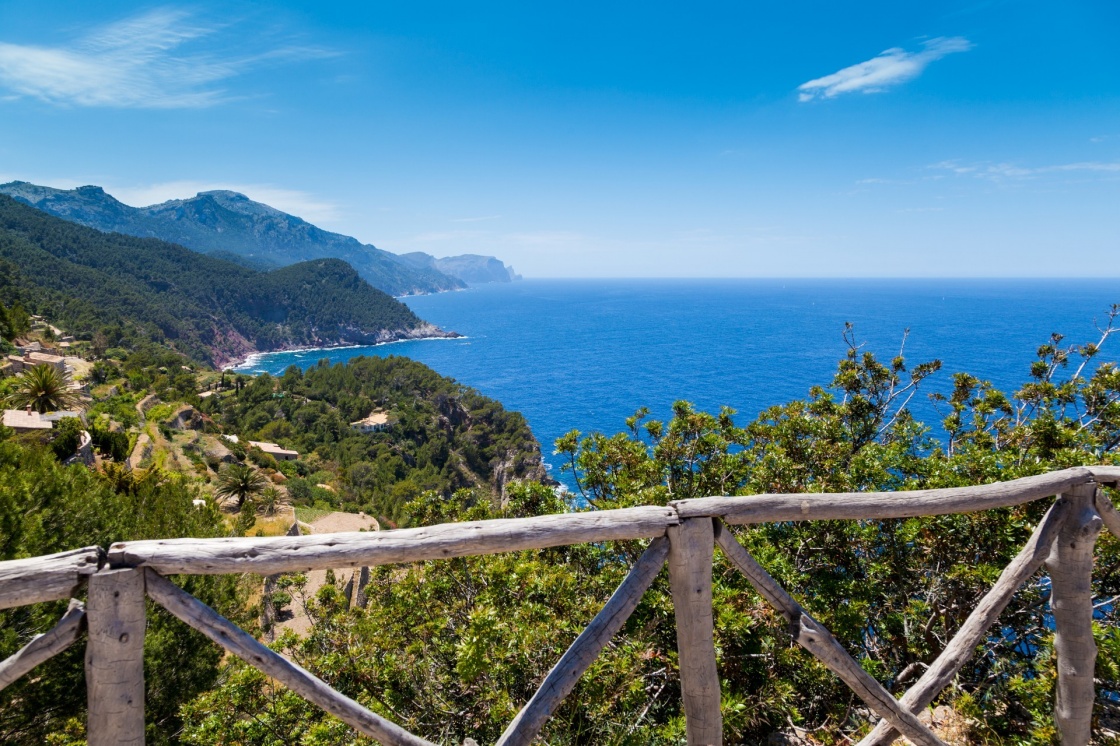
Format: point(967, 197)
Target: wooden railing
point(684, 535)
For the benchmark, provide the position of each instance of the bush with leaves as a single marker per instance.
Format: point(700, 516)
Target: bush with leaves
point(484, 631)
point(65, 437)
point(46, 508)
point(109, 444)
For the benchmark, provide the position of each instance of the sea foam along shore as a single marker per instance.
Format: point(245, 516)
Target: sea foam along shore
point(250, 361)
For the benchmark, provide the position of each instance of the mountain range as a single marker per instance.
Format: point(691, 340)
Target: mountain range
point(257, 236)
point(214, 310)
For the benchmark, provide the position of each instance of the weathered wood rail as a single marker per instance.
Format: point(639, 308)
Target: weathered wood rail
point(684, 536)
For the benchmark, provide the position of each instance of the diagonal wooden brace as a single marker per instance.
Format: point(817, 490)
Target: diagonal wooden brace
point(975, 627)
point(45, 646)
point(1108, 514)
point(813, 636)
point(560, 681)
point(201, 617)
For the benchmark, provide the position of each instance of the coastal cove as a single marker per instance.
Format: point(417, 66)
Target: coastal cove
point(586, 354)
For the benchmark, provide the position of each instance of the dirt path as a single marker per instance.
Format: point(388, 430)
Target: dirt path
point(335, 522)
point(298, 621)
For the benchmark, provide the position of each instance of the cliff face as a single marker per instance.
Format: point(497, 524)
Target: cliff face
point(231, 223)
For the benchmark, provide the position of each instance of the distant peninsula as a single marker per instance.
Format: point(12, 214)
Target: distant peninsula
point(231, 226)
point(473, 269)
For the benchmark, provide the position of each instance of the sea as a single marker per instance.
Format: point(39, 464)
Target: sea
point(586, 354)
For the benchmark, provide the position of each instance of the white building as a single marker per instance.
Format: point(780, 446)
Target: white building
point(375, 422)
point(278, 453)
point(26, 421)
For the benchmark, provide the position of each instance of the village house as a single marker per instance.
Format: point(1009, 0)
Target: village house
point(32, 359)
point(26, 420)
point(278, 453)
point(375, 422)
point(18, 363)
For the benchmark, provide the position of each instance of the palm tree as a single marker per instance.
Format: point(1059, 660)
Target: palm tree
point(269, 500)
point(239, 481)
point(44, 388)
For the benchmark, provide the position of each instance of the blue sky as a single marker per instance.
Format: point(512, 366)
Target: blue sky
point(579, 140)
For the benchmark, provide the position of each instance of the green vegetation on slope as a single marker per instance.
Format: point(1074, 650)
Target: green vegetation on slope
point(452, 649)
point(208, 308)
point(46, 508)
point(445, 436)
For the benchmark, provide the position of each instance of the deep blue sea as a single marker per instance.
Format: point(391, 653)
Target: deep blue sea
point(586, 354)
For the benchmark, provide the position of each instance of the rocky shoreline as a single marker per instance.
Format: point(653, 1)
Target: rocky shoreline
point(355, 338)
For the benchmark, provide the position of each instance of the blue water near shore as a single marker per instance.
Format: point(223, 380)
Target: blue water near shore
point(586, 354)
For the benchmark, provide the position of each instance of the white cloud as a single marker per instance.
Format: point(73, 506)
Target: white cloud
point(298, 203)
point(1008, 171)
point(476, 220)
point(135, 63)
point(1086, 166)
point(890, 68)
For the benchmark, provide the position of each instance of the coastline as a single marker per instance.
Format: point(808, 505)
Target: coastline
point(253, 357)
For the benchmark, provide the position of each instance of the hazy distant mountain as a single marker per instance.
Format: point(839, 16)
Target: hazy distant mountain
point(473, 269)
point(232, 223)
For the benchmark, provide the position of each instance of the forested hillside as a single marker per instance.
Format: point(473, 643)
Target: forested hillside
point(207, 307)
point(162, 464)
point(444, 436)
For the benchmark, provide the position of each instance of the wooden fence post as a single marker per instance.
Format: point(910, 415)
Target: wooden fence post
point(691, 546)
point(1071, 599)
point(115, 658)
point(363, 581)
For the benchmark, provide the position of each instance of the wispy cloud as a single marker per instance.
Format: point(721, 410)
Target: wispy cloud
point(476, 220)
point(890, 68)
point(292, 201)
point(1008, 171)
point(144, 61)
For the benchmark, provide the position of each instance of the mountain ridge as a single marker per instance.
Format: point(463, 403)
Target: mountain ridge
point(207, 307)
point(231, 223)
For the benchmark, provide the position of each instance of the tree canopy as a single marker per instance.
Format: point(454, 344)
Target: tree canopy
point(892, 591)
point(44, 388)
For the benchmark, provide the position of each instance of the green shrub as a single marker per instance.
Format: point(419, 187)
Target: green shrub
point(65, 437)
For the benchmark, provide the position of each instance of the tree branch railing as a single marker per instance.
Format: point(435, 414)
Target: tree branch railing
point(684, 536)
